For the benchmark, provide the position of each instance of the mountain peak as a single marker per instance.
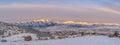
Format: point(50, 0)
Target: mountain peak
point(73, 22)
point(67, 22)
point(38, 20)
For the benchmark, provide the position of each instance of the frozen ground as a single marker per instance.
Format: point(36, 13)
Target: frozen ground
point(87, 40)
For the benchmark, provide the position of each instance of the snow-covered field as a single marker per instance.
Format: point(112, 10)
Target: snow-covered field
point(19, 37)
point(86, 40)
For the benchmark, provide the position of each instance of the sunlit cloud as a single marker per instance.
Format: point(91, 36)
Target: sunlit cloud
point(79, 8)
point(48, 6)
point(47, 11)
point(82, 10)
point(109, 10)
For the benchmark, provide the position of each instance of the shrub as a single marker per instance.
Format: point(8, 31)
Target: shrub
point(27, 38)
point(3, 40)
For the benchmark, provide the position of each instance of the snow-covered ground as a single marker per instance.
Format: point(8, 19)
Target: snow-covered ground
point(86, 40)
point(19, 37)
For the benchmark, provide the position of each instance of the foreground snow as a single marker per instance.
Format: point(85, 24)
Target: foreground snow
point(87, 40)
point(19, 37)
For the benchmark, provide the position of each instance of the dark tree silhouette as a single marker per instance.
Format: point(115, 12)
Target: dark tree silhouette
point(28, 38)
point(116, 34)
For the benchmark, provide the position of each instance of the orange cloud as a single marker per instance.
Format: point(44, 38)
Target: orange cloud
point(108, 10)
point(26, 11)
point(81, 7)
point(48, 6)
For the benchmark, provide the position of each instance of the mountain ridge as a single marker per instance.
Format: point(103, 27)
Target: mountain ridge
point(71, 24)
point(7, 30)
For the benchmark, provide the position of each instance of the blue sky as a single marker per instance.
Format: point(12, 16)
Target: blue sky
point(78, 10)
point(52, 1)
point(62, 2)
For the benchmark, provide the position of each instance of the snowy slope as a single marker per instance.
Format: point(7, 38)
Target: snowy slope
point(87, 40)
point(19, 37)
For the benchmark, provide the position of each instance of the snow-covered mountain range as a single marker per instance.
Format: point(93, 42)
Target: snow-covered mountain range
point(69, 24)
point(7, 30)
point(48, 30)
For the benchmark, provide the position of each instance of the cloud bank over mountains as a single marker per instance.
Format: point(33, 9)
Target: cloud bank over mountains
point(78, 10)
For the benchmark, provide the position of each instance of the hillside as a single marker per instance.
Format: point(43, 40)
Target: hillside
point(7, 30)
point(58, 33)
